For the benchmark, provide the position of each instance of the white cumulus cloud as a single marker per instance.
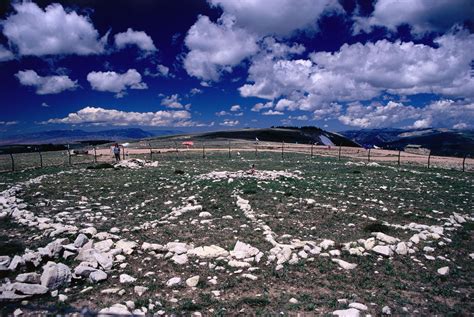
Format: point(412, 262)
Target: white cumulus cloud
point(272, 113)
point(422, 15)
point(174, 102)
point(216, 47)
point(46, 84)
point(259, 106)
point(5, 55)
point(116, 82)
point(229, 123)
point(364, 71)
point(138, 38)
point(280, 17)
point(235, 108)
point(51, 31)
point(101, 116)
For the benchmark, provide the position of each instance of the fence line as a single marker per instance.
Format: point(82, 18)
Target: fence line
point(153, 150)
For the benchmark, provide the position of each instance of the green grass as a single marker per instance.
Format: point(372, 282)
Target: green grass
point(350, 204)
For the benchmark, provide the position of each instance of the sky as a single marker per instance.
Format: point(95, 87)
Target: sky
point(195, 65)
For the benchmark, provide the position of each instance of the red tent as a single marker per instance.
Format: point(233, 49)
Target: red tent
point(188, 143)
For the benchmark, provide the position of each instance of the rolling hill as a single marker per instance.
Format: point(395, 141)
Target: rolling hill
point(444, 142)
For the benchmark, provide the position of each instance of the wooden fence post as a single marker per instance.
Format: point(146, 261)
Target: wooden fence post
point(368, 156)
point(339, 154)
point(399, 152)
point(41, 158)
point(464, 162)
point(176, 147)
point(229, 149)
point(429, 159)
point(151, 152)
point(282, 148)
point(69, 155)
point(13, 162)
point(95, 155)
point(312, 145)
point(203, 151)
point(256, 149)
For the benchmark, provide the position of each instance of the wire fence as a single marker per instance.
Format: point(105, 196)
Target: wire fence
point(188, 149)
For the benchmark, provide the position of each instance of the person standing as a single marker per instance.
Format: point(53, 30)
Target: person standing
point(116, 151)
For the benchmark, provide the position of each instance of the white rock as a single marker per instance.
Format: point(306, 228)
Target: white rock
point(115, 310)
point(351, 312)
point(152, 246)
point(173, 281)
point(62, 298)
point(428, 249)
point(345, 265)
point(97, 276)
point(127, 246)
point(293, 300)
point(205, 214)
point(243, 250)
point(55, 275)
point(386, 310)
point(17, 312)
point(16, 262)
point(212, 251)
point(192, 281)
point(241, 264)
point(125, 278)
point(81, 240)
point(369, 244)
point(325, 244)
point(383, 250)
point(250, 276)
point(401, 248)
point(443, 271)
point(386, 238)
point(180, 259)
point(32, 278)
point(29, 289)
point(91, 231)
point(104, 246)
point(358, 306)
point(140, 290)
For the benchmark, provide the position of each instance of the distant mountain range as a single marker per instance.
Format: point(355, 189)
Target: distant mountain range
point(439, 141)
point(303, 135)
point(74, 136)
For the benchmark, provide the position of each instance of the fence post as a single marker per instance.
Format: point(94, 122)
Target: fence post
point(69, 155)
point(95, 155)
point(312, 145)
point(429, 159)
point(368, 156)
point(151, 152)
point(399, 157)
point(229, 149)
point(282, 148)
point(123, 154)
point(256, 149)
point(176, 147)
point(339, 154)
point(464, 162)
point(203, 151)
point(41, 158)
point(13, 162)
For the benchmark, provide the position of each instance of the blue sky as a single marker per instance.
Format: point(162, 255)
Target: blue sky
point(221, 64)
